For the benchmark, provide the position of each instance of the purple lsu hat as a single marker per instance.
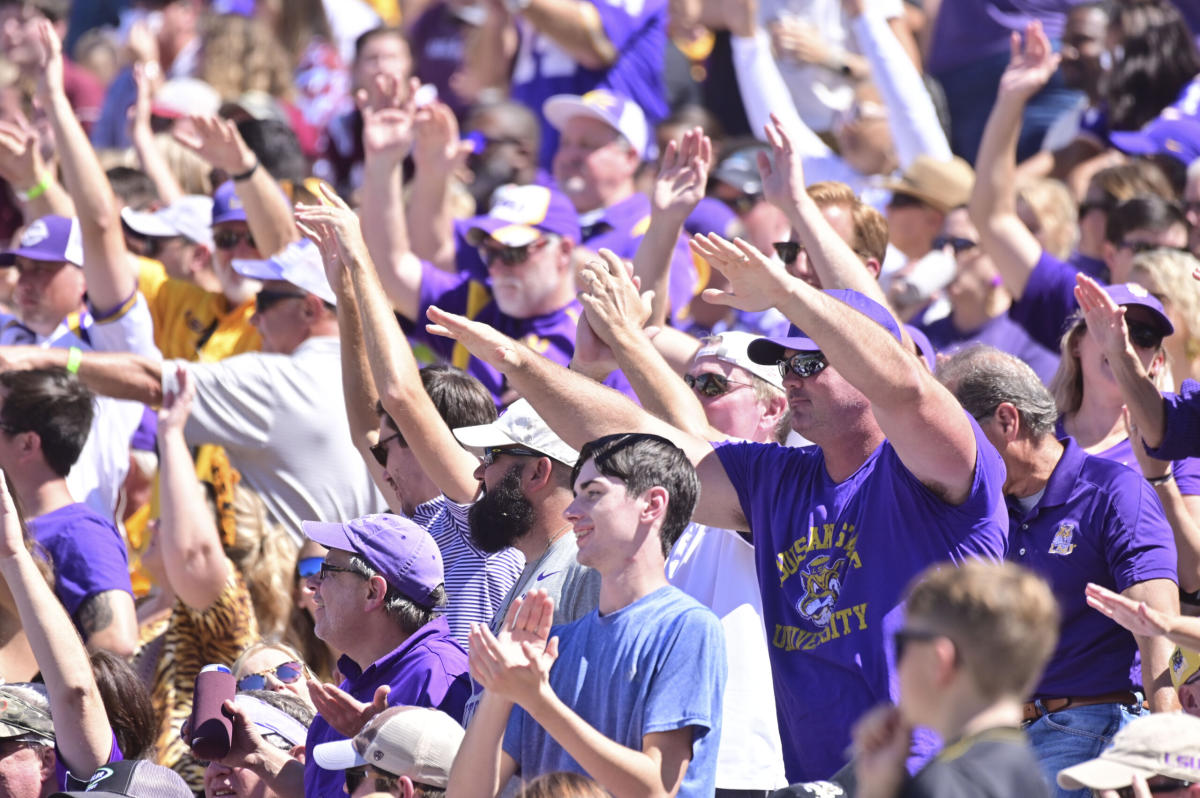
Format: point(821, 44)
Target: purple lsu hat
point(770, 350)
point(402, 552)
point(227, 205)
point(1170, 134)
point(1129, 294)
point(50, 238)
point(521, 214)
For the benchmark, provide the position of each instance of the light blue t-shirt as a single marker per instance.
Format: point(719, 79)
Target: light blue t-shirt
point(653, 666)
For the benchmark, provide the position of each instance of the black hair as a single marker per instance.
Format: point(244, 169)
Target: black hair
point(1143, 212)
point(460, 399)
point(277, 148)
point(1158, 59)
point(55, 405)
point(127, 703)
point(133, 187)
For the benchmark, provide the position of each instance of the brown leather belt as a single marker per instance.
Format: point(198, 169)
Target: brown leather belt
point(1032, 711)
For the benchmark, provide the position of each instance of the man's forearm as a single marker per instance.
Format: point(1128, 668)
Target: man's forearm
point(357, 385)
point(478, 770)
point(267, 212)
point(575, 26)
point(431, 219)
point(660, 389)
point(1161, 595)
point(284, 774)
point(652, 263)
point(488, 55)
point(386, 234)
point(996, 165)
point(120, 376)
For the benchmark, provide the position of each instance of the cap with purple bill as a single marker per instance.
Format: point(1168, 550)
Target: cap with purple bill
point(50, 238)
point(132, 778)
point(227, 205)
point(1135, 295)
point(403, 553)
point(1170, 134)
point(522, 214)
point(769, 351)
point(618, 112)
point(299, 263)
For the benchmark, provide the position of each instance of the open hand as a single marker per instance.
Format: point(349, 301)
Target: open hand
point(20, 157)
point(176, 407)
point(611, 298)
point(481, 340)
point(333, 224)
point(516, 663)
point(12, 539)
point(388, 112)
point(437, 146)
point(1136, 616)
point(1031, 64)
point(683, 176)
point(782, 172)
point(755, 282)
point(1105, 318)
point(345, 713)
point(49, 59)
point(217, 141)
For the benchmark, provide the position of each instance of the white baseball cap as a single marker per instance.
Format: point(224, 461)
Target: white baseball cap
point(1162, 744)
point(416, 742)
point(519, 426)
point(731, 347)
point(299, 264)
point(620, 113)
point(190, 217)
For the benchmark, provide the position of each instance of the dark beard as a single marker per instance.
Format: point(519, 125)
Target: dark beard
point(502, 514)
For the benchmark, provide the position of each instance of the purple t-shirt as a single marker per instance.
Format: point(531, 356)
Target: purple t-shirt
point(1094, 122)
point(1185, 469)
point(1095, 268)
point(87, 552)
point(1000, 332)
point(428, 669)
point(1096, 522)
point(637, 30)
point(970, 30)
point(832, 562)
point(1047, 301)
point(67, 781)
point(621, 229)
point(1182, 416)
point(437, 40)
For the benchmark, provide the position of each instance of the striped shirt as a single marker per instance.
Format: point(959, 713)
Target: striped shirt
point(476, 582)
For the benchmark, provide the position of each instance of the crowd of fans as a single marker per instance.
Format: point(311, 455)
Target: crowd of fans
point(580, 398)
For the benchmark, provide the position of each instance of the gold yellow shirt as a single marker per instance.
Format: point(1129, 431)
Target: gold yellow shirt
point(191, 323)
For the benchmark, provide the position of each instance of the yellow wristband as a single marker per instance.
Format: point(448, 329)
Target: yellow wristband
point(74, 358)
point(38, 189)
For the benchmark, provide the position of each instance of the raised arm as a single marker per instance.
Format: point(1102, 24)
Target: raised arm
point(576, 27)
point(438, 153)
point(33, 180)
point(268, 214)
point(82, 733)
point(387, 138)
point(1143, 619)
point(993, 204)
point(923, 421)
point(1162, 596)
point(489, 50)
point(154, 164)
point(110, 280)
point(393, 367)
point(580, 409)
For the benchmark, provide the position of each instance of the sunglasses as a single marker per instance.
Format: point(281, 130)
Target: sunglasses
point(1143, 335)
point(1164, 785)
point(380, 450)
point(228, 239)
point(492, 452)
point(309, 567)
point(903, 637)
point(959, 245)
point(511, 256)
point(1139, 247)
point(266, 298)
point(742, 203)
point(286, 672)
point(788, 251)
point(803, 364)
point(356, 776)
point(711, 384)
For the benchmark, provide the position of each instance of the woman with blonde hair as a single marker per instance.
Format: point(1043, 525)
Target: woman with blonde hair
point(273, 665)
point(1167, 275)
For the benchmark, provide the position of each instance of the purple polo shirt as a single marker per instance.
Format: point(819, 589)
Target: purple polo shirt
point(1186, 469)
point(621, 228)
point(638, 32)
point(970, 30)
point(1182, 415)
point(1095, 120)
point(87, 552)
point(1001, 332)
point(1047, 301)
point(428, 669)
point(1095, 268)
point(833, 560)
point(1096, 522)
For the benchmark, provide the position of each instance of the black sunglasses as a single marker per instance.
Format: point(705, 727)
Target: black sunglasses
point(959, 245)
point(803, 364)
point(265, 299)
point(228, 239)
point(1144, 336)
point(286, 672)
point(380, 450)
point(356, 776)
point(1139, 247)
point(902, 637)
point(1157, 788)
point(711, 384)
point(788, 251)
point(490, 453)
point(511, 256)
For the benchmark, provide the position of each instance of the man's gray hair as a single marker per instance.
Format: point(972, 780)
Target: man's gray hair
point(982, 377)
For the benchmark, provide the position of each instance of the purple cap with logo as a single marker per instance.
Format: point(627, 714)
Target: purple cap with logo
point(770, 350)
point(1129, 294)
point(402, 552)
point(1170, 134)
point(227, 205)
point(521, 214)
point(50, 238)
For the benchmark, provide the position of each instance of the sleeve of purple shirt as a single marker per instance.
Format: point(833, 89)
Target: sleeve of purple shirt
point(1182, 416)
point(450, 292)
point(1139, 543)
point(622, 19)
point(1047, 301)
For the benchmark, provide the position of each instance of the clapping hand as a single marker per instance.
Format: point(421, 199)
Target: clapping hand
point(755, 282)
point(516, 664)
point(682, 176)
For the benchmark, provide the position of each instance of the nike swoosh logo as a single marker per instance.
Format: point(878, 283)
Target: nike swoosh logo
point(543, 576)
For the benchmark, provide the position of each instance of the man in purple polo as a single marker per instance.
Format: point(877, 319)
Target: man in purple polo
point(1075, 519)
point(377, 594)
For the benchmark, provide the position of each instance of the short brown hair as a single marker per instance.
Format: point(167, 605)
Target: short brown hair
point(870, 226)
point(1002, 618)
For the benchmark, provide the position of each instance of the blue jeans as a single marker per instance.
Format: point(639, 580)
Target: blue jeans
point(1066, 738)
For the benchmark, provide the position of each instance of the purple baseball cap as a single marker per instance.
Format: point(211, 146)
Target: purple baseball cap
point(770, 350)
point(402, 552)
point(227, 205)
point(50, 238)
point(1129, 294)
point(1170, 134)
point(521, 214)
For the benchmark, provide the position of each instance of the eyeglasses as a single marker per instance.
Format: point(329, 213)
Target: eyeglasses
point(1138, 247)
point(380, 450)
point(742, 203)
point(511, 256)
point(309, 567)
point(265, 299)
point(903, 637)
point(712, 384)
point(1163, 785)
point(959, 245)
point(802, 364)
point(384, 782)
point(1141, 335)
point(228, 239)
point(286, 672)
point(327, 569)
point(492, 452)
point(788, 251)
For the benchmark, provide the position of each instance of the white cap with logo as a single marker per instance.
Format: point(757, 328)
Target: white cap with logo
point(519, 426)
point(731, 347)
point(416, 742)
point(1162, 744)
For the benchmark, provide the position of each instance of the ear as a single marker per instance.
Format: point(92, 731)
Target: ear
point(873, 266)
point(46, 765)
point(773, 409)
point(201, 258)
point(376, 591)
point(540, 476)
point(655, 501)
point(312, 306)
point(1109, 253)
point(405, 788)
point(946, 660)
point(1009, 420)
